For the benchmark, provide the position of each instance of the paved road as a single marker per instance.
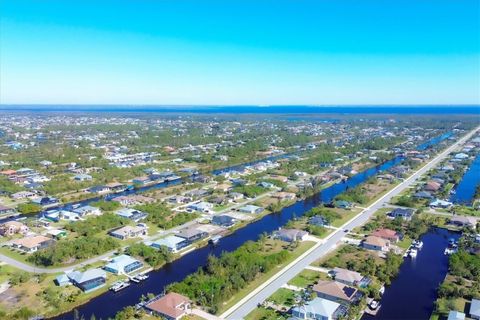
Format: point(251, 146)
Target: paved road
point(260, 294)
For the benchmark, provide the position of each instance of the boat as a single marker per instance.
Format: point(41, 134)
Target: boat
point(382, 290)
point(413, 253)
point(215, 239)
point(134, 279)
point(417, 244)
point(120, 285)
point(374, 304)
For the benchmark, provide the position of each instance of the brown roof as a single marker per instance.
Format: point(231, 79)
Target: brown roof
point(376, 241)
point(335, 289)
point(31, 242)
point(169, 304)
point(8, 172)
point(385, 234)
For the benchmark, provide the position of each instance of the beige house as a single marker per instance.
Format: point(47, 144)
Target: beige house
point(12, 227)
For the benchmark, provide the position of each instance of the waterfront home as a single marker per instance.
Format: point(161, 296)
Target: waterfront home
point(201, 207)
point(23, 195)
point(456, 315)
point(123, 264)
point(290, 235)
point(463, 221)
point(192, 234)
point(437, 203)
point(46, 201)
point(32, 244)
point(171, 306)
point(376, 243)
point(127, 232)
point(350, 278)
point(200, 178)
point(224, 187)
point(10, 228)
point(172, 243)
point(387, 234)
point(318, 221)
point(433, 186)
point(223, 220)
point(461, 156)
point(251, 209)
point(132, 214)
point(179, 199)
point(336, 291)
point(141, 180)
point(198, 193)
point(474, 312)
point(99, 189)
point(318, 308)
point(56, 215)
point(115, 186)
point(423, 195)
point(284, 196)
point(6, 210)
point(342, 204)
point(89, 280)
point(405, 214)
point(87, 210)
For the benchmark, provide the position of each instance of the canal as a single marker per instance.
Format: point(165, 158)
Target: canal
point(413, 292)
point(434, 141)
point(107, 304)
point(465, 190)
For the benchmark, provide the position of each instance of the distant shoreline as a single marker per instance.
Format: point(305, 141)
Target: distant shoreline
point(203, 109)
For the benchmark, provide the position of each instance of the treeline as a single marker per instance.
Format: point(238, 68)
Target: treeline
point(328, 215)
point(354, 195)
point(160, 215)
point(250, 191)
point(466, 265)
point(224, 276)
point(154, 257)
point(95, 225)
point(68, 251)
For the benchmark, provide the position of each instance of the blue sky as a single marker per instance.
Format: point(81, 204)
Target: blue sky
point(240, 52)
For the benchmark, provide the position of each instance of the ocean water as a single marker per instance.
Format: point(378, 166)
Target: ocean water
point(199, 109)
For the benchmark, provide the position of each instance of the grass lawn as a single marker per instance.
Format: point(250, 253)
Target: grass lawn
point(346, 215)
point(307, 277)
point(263, 313)
point(14, 254)
point(405, 243)
point(303, 246)
point(283, 297)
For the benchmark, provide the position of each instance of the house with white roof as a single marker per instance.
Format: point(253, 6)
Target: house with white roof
point(172, 243)
point(318, 308)
point(123, 264)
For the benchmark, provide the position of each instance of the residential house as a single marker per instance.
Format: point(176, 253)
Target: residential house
point(284, 196)
point(350, 278)
point(82, 177)
point(463, 221)
point(99, 189)
point(171, 306)
point(23, 195)
point(474, 312)
point(251, 209)
point(432, 186)
point(89, 280)
point(336, 291)
point(10, 228)
point(87, 210)
point(192, 234)
point(423, 195)
point(318, 309)
point(437, 203)
point(290, 235)
point(376, 243)
point(201, 207)
point(127, 232)
point(123, 264)
point(133, 200)
point(405, 214)
point(387, 234)
point(132, 214)
point(318, 221)
point(46, 201)
point(342, 204)
point(6, 210)
point(32, 244)
point(456, 315)
point(172, 243)
point(223, 221)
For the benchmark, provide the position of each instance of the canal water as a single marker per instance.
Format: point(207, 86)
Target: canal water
point(434, 141)
point(465, 190)
point(107, 304)
point(412, 293)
